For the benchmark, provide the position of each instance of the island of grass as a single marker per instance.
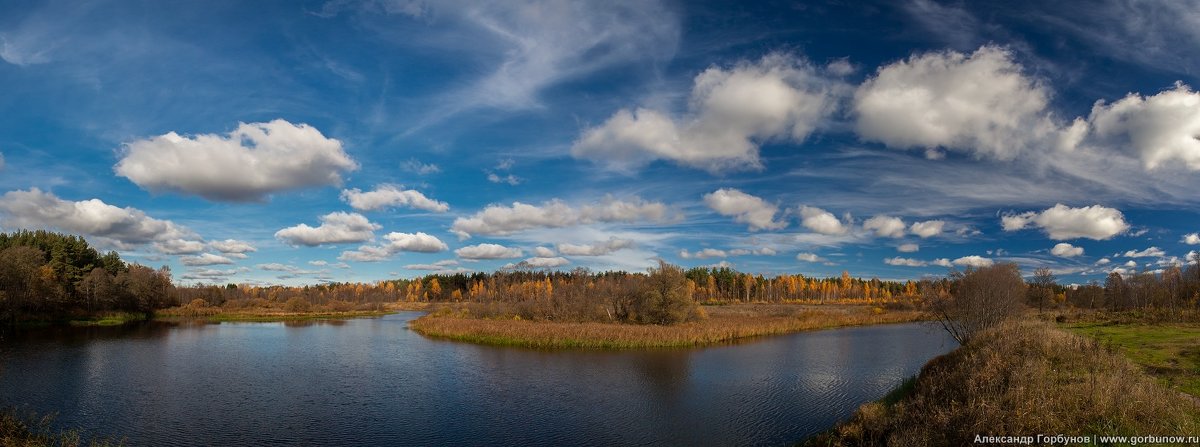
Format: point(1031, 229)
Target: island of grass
point(295, 309)
point(654, 310)
point(722, 324)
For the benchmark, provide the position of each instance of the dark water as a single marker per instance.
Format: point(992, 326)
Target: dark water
point(374, 382)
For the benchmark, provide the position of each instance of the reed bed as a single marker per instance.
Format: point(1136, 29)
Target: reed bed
point(724, 324)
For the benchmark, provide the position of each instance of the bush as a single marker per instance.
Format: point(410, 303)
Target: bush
point(981, 298)
point(297, 304)
point(665, 297)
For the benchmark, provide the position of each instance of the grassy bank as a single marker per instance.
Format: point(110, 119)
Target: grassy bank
point(1022, 379)
point(1169, 352)
point(35, 431)
point(197, 311)
point(724, 324)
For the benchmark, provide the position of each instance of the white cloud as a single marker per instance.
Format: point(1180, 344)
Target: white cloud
point(122, 227)
point(247, 164)
point(395, 243)
point(927, 229)
point(540, 263)
point(336, 228)
point(388, 196)
point(416, 167)
point(820, 221)
point(1152, 252)
point(731, 112)
point(1192, 239)
point(595, 249)
point(509, 179)
point(318, 263)
point(1062, 222)
point(973, 261)
point(703, 254)
point(232, 246)
point(905, 262)
point(501, 220)
point(908, 248)
point(761, 251)
point(980, 104)
point(1066, 250)
point(885, 226)
point(436, 266)
point(211, 274)
point(809, 257)
point(488, 251)
point(179, 247)
point(205, 259)
point(942, 262)
point(543, 252)
point(1104, 261)
point(744, 208)
point(1131, 264)
point(1163, 128)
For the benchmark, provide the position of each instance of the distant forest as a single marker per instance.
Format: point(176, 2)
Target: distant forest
point(47, 275)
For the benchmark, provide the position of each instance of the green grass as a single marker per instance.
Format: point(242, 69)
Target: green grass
point(1169, 352)
point(110, 319)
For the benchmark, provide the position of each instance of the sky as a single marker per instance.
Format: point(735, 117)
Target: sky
point(300, 142)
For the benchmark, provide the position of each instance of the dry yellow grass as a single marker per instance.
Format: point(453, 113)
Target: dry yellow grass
point(1022, 379)
point(724, 324)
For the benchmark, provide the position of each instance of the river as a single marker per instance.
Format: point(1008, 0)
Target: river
point(374, 382)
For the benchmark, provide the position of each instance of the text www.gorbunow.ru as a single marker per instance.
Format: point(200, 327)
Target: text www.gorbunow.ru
point(1087, 439)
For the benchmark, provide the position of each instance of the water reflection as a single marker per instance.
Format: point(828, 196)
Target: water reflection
point(373, 381)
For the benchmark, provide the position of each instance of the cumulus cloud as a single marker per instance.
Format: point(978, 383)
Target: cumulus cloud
point(122, 227)
point(538, 263)
point(820, 221)
point(228, 246)
point(1192, 239)
point(927, 229)
point(908, 248)
point(488, 251)
point(905, 262)
point(501, 220)
point(595, 249)
point(981, 104)
point(336, 228)
point(389, 196)
point(730, 113)
point(179, 247)
point(973, 261)
point(703, 254)
point(1066, 250)
point(942, 262)
point(1103, 261)
point(1062, 222)
point(1160, 129)
point(543, 252)
point(205, 259)
point(1152, 252)
point(395, 243)
point(809, 257)
point(247, 164)
point(744, 208)
point(885, 226)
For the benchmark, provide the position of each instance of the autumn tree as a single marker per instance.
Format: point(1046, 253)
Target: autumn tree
point(981, 298)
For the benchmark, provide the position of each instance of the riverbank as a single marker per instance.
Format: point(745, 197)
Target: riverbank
point(1022, 379)
point(283, 313)
point(33, 430)
point(724, 324)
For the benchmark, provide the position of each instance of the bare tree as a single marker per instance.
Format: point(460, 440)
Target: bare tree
point(1041, 289)
point(980, 298)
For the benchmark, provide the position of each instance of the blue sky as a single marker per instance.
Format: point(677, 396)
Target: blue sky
point(300, 142)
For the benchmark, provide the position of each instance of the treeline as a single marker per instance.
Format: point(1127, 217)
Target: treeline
point(46, 275)
point(1173, 288)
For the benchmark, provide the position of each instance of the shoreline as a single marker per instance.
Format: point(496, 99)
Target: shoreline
point(725, 324)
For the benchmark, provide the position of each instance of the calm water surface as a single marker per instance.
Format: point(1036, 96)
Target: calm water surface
point(374, 382)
